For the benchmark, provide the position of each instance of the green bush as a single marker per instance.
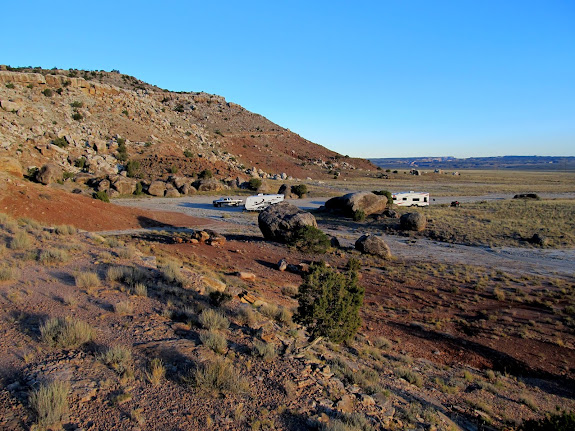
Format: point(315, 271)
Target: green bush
point(188, 154)
point(80, 163)
point(60, 142)
point(139, 189)
point(173, 169)
point(47, 92)
point(218, 375)
point(205, 174)
point(310, 239)
point(329, 303)
point(76, 104)
point(385, 193)
point(358, 215)
point(77, 116)
point(66, 333)
point(10, 85)
point(300, 190)
point(101, 195)
point(132, 168)
point(50, 402)
point(254, 183)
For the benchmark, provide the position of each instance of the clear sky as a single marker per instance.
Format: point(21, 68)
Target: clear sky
point(387, 78)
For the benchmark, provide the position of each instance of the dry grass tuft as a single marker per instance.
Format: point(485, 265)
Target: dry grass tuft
point(266, 351)
point(119, 358)
point(66, 333)
point(50, 402)
point(218, 375)
point(156, 372)
point(52, 256)
point(212, 319)
point(9, 273)
point(20, 241)
point(214, 340)
point(66, 229)
point(87, 280)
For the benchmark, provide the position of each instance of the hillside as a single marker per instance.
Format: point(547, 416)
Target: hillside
point(94, 123)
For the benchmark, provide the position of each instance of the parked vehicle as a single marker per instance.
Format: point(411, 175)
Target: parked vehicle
point(410, 199)
point(455, 204)
point(227, 202)
point(260, 201)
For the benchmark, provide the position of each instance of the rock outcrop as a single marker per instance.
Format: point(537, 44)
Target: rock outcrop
point(49, 173)
point(279, 222)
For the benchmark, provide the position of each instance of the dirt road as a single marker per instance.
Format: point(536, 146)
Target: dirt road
point(516, 260)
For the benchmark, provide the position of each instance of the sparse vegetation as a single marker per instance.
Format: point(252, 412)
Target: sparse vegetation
point(102, 195)
point(156, 372)
point(310, 239)
point(87, 280)
point(119, 358)
point(20, 241)
point(214, 340)
point(212, 319)
point(65, 333)
point(218, 375)
point(254, 184)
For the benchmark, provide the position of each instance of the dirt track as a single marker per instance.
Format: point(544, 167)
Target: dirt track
point(511, 259)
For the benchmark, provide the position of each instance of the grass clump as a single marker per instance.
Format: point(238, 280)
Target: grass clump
point(66, 333)
point(140, 289)
point(20, 241)
point(212, 319)
point(50, 402)
point(410, 376)
point(87, 280)
point(214, 340)
point(66, 229)
point(171, 272)
point(53, 256)
point(8, 273)
point(218, 375)
point(266, 351)
point(123, 308)
point(119, 358)
point(156, 372)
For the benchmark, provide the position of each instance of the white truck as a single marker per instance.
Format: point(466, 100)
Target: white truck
point(260, 201)
point(410, 199)
point(227, 202)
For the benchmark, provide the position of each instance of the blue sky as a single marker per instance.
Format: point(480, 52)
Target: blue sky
point(367, 78)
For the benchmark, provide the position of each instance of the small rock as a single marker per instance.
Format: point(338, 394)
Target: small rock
point(282, 265)
point(248, 276)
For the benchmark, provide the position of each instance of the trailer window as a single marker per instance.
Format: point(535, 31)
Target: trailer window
point(404, 199)
point(425, 199)
point(415, 199)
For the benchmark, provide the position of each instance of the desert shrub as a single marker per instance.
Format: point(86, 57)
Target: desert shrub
point(353, 264)
point(171, 272)
point(563, 421)
point(385, 193)
point(8, 273)
point(139, 189)
point(123, 307)
point(218, 298)
point(310, 239)
point(382, 343)
point(77, 116)
point(254, 183)
point(51, 256)
point(247, 316)
point(101, 195)
point(218, 375)
point(156, 371)
point(87, 279)
point(349, 422)
point(173, 169)
point(270, 310)
point(60, 142)
point(50, 402)
point(140, 289)
point(65, 333)
point(188, 154)
point(289, 290)
point(410, 376)
point(80, 163)
point(115, 273)
point(10, 85)
point(212, 319)
point(76, 104)
point(126, 252)
point(119, 358)
point(214, 340)
point(266, 351)
point(47, 92)
point(66, 229)
point(205, 174)
point(329, 303)
point(20, 241)
point(132, 168)
point(300, 190)
point(359, 215)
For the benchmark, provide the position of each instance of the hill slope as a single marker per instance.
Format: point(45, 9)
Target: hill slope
point(68, 115)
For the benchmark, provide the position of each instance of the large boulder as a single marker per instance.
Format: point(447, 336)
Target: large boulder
point(413, 221)
point(49, 173)
point(209, 185)
point(279, 222)
point(375, 245)
point(348, 204)
point(157, 188)
point(286, 191)
point(124, 186)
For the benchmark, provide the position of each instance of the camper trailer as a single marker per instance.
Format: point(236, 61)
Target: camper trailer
point(261, 202)
point(410, 199)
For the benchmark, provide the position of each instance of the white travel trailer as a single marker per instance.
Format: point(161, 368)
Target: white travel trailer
point(261, 202)
point(410, 199)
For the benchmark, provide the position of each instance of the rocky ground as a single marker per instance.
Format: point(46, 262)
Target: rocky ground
point(443, 344)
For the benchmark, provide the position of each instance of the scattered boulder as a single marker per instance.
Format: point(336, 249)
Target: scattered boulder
point(172, 193)
point(375, 245)
point(348, 204)
point(209, 185)
point(157, 188)
point(247, 276)
point(390, 213)
point(188, 189)
point(287, 192)
point(124, 186)
point(413, 221)
point(49, 173)
point(279, 222)
point(282, 265)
